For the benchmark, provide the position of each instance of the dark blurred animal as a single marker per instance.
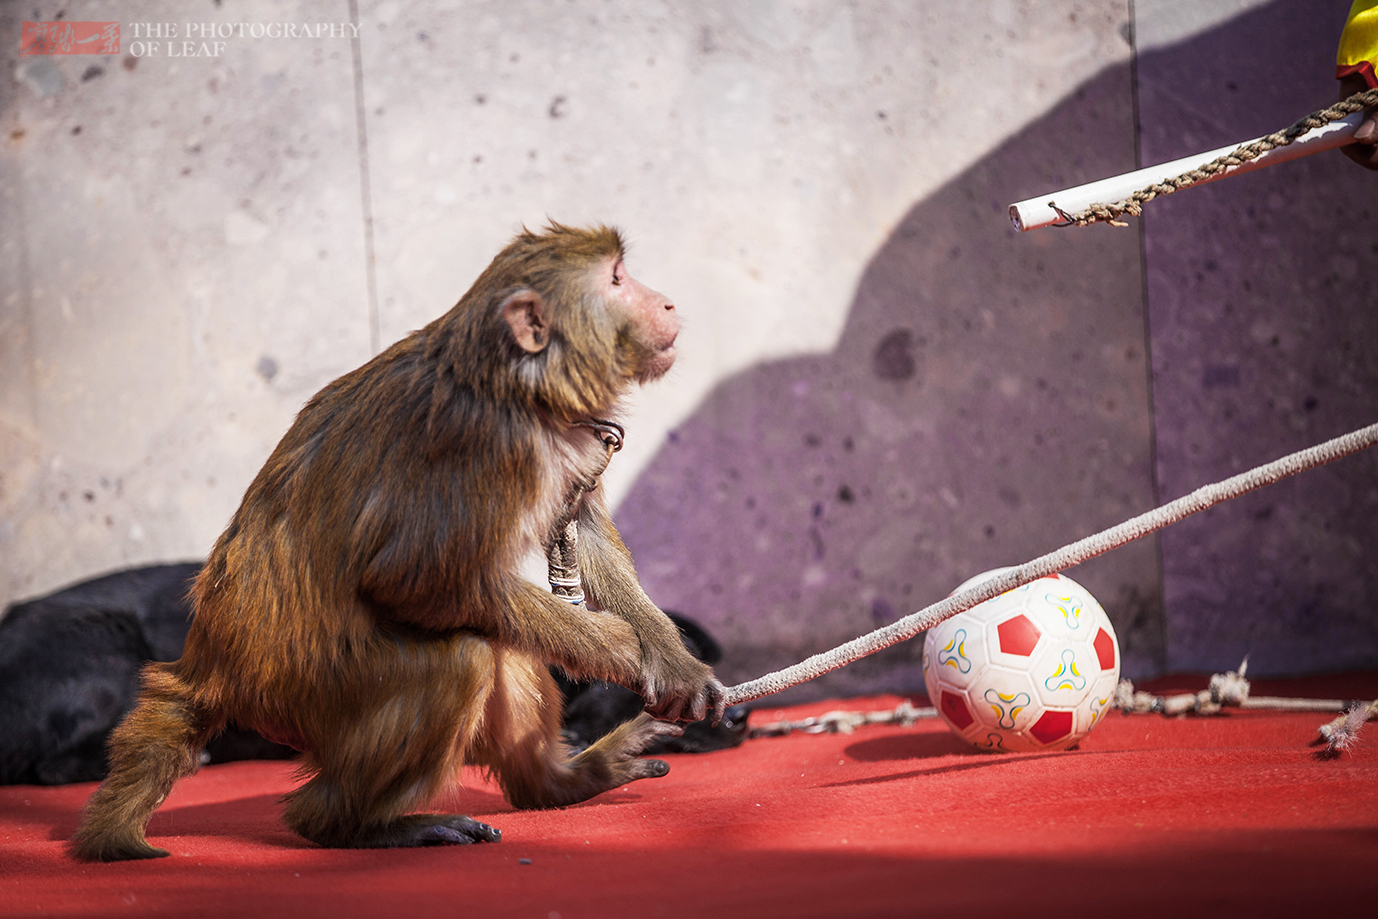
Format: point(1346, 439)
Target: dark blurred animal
point(69, 671)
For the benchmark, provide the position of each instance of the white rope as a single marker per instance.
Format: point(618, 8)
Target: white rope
point(1044, 565)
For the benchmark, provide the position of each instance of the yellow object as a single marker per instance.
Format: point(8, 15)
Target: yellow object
point(1358, 52)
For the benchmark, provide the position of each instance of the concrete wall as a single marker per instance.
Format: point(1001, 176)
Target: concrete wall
point(1264, 322)
point(882, 389)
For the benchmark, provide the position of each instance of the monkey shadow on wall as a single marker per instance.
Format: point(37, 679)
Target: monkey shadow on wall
point(987, 402)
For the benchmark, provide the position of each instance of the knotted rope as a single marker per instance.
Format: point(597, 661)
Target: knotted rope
point(1342, 733)
point(562, 558)
point(1232, 690)
point(1226, 690)
point(1066, 557)
point(1109, 213)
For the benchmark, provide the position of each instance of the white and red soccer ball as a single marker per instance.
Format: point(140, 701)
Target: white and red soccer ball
point(1032, 669)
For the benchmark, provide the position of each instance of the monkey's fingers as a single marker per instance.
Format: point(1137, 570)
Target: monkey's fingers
point(717, 700)
point(649, 696)
point(661, 698)
point(698, 707)
point(673, 709)
point(707, 703)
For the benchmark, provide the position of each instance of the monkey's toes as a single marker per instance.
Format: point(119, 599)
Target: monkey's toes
point(440, 834)
point(649, 769)
point(645, 730)
point(435, 830)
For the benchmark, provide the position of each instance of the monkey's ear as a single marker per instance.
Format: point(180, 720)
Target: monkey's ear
point(525, 315)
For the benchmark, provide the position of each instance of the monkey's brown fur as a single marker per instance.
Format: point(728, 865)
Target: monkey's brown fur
point(364, 604)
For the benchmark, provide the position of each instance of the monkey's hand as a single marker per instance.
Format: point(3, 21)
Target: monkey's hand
point(677, 687)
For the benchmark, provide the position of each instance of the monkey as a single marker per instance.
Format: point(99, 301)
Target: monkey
point(365, 604)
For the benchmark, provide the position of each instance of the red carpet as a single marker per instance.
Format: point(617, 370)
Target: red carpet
point(1223, 816)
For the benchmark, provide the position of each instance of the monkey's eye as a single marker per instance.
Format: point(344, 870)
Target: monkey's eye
point(616, 276)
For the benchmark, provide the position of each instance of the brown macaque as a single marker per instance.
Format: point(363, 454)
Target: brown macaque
point(365, 604)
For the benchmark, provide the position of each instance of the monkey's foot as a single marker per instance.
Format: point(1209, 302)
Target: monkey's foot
point(635, 736)
point(89, 847)
point(428, 830)
point(609, 762)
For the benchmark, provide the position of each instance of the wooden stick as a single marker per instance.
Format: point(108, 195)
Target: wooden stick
point(1043, 211)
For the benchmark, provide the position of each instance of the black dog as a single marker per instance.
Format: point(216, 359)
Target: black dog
point(69, 671)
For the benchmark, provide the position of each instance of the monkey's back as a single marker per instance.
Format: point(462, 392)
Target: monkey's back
point(357, 537)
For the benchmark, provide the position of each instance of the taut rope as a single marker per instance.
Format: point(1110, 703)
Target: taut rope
point(1067, 556)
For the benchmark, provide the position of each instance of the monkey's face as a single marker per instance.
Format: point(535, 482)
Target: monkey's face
point(650, 316)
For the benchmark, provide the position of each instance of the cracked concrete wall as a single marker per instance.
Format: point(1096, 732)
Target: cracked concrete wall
point(873, 365)
point(183, 267)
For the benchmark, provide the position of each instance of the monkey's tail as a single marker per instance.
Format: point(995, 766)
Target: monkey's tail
point(156, 744)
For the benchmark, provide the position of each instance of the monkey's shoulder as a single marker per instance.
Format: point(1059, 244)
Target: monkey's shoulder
point(405, 409)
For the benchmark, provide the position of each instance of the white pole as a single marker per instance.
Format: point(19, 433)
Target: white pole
point(1040, 211)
